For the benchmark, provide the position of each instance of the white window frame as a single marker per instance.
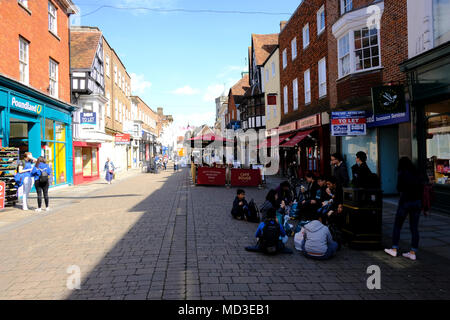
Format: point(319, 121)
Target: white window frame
point(52, 18)
point(351, 36)
point(53, 77)
point(343, 56)
point(346, 6)
point(322, 76)
point(295, 94)
point(108, 104)
point(294, 48)
point(307, 82)
point(107, 66)
point(321, 12)
point(116, 109)
point(24, 61)
point(115, 74)
point(285, 99)
point(284, 58)
point(273, 69)
point(306, 36)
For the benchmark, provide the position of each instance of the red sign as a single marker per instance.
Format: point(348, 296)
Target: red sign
point(349, 121)
point(245, 178)
point(211, 176)
point(2, 195)
point(122, 138)
point(271, 100)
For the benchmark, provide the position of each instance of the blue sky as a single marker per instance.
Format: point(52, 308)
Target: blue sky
point(181, 61)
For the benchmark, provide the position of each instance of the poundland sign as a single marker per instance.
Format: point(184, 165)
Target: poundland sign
point(24, 105)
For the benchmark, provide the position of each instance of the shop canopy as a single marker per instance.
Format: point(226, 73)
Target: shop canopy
point(269, 142)
point(299, 137)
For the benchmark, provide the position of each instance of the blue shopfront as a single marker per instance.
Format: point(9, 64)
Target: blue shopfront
point(37, 123)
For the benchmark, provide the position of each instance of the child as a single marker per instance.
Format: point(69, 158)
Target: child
point(268, 234)
point(317, 242)
point(240, 206)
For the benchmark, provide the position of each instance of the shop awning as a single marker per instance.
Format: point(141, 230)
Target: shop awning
point(269, 142)
point(299, 137)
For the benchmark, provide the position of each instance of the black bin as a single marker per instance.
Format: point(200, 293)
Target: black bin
point(363, 212)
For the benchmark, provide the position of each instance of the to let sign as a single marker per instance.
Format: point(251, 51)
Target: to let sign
point(88, 118)
point(348, 123)
point(122, 138)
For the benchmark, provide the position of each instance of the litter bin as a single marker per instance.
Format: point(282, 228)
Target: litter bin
point(363, 213)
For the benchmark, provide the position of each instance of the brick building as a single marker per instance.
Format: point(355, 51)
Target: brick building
point(118, 109)
point(304, 85)
point(35, 109)
point(365, 52)
point(235, 98)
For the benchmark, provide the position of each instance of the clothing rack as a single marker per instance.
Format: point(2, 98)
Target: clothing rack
point(9, 160)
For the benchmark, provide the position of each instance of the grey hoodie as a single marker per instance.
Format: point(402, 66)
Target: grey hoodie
point(317, 237)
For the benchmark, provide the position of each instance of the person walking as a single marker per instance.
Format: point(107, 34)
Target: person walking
point(42, 173)
point(109, 168)
point(340, 170)
point(410, 187)
point(25, 168)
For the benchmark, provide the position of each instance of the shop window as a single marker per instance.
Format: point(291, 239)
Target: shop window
point(441, 22)
point(78, 161)
point(60, 132)
point(368, 143)
point(438, 143)
point(60, 165)
point(49, 130)
point(94, 162)
point(49, 156)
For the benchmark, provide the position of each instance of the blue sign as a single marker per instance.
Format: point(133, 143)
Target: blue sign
point(348, 123)
point(388, 119)
point(89, 118)
point(25, 105)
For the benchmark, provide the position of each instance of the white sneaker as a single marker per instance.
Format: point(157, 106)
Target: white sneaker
point(409, 255)
point(391, 252)
point(38, 210)
point(47, 209)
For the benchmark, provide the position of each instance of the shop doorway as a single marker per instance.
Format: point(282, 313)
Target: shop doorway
point(18, 137)
point(87, 162)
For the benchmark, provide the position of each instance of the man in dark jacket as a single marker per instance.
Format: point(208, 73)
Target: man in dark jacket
point(362, 176)
point(340, 170)
point(240, 206)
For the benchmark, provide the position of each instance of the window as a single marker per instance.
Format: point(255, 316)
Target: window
point(307, 87)
point(53, 75)
point(321, 20)
point(344, 55)
point(116, 109)
point(268, 112)
point(286, 105)
point(322, 78)
point(24, 3)
point(108, 104)
point(267, 75)
point(284, 58)
point(441, 22)
point(115, 74)
point(273, 69)
point(367, 53)
point(346, 6)
point(294, 48)
point(295, 93)
point(306, 36)
point(23, 61)
point(52, 18)
point(120, 79)
point(107, 66)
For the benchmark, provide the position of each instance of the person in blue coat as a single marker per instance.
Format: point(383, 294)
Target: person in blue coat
point(41, 173)
point(109, 168)
point(25, 168)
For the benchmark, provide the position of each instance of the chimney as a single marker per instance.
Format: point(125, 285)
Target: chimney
point(282, 25)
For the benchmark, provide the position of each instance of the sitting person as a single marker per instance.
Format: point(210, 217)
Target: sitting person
point(240, 206)
point(284, 193)
point(308, 194)
point(269, 234)
point(271, 202)
point(316, 240)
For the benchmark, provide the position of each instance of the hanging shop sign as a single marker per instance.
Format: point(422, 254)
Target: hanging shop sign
point(122, 138)
point(389, 106)
point(88, 119)
point(348, 123)
point(25, 105)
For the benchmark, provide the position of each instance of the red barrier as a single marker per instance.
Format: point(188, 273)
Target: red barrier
point(211, 176)
point(245, 178)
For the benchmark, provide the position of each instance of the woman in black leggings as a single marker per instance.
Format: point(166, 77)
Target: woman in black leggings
point(42, 173)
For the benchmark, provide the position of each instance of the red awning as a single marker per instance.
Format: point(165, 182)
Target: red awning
point(299, 137)
point(269, 142)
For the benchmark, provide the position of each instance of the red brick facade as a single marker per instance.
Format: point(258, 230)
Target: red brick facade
point(32, 25)
point(307, 58)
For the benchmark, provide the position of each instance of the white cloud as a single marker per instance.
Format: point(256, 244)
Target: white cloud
point(213, 91)
point(186, 91)
point(231, 69)
point(138, 83)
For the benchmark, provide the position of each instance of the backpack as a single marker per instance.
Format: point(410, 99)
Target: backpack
point(253, 212)
point(270, 237)
point(44, 176)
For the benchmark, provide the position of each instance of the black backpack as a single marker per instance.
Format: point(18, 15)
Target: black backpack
point(44, 176)
point(253, 212)
point(270, 236)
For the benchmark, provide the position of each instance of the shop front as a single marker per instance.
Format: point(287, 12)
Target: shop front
point(36, 123)
point(86, 164)
point(429, 92)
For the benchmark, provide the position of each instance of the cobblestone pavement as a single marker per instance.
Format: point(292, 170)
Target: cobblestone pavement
point(158, 237)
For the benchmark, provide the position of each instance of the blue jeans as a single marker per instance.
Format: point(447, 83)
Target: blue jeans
point(332, 248)
point(411, 209)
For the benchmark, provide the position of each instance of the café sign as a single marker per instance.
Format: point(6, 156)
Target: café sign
point(25, 105)
point(308, 122)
